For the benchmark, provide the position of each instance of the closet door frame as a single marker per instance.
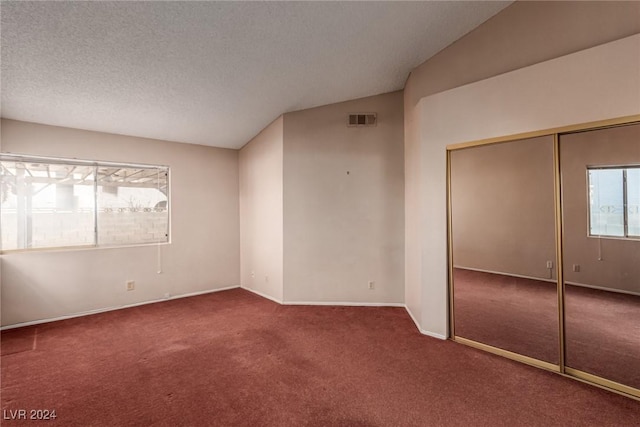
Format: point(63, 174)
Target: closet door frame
point(561, 367)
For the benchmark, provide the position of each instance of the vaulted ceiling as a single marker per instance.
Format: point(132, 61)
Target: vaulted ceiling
point(212, 73)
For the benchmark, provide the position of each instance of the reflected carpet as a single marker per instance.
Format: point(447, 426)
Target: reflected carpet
point(602, 328)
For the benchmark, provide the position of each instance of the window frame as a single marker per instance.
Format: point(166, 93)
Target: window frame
point(625, 204)
point(96, 164)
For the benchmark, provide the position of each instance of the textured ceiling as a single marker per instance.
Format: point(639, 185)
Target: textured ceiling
point(211, 73)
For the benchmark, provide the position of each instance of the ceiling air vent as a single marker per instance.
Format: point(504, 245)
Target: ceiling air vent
point(362, 119)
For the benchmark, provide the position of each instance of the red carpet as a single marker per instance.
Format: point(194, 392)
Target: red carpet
point(235, 359)
point(602, 328)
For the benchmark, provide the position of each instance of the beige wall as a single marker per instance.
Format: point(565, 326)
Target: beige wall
point(503, 214)
point(523, 34)
point(203, 255)
point(344, 203)
point(619, 267)
point(261, 212)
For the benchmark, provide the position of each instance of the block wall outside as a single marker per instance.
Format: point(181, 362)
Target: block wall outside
point(59, 229)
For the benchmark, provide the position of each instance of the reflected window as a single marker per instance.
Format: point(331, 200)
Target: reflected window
point(614, 202)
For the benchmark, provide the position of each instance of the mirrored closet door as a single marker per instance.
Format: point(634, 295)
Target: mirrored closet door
point(601, 241)
point(544, 249)
point(504, 247)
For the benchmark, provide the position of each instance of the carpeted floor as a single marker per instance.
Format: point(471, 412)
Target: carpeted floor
point(235, 359)
point(602, 329)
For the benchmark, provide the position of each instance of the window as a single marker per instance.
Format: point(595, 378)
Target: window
point(48, 203)
point(614, 201)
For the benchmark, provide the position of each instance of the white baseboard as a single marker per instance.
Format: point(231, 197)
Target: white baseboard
point(414, 319)
point(345, 304)
point(119, 307)
point(521, 276)
point(602, 288)
point(422, 331)
point(262, 294)
point(433, 335)
point(353, 304)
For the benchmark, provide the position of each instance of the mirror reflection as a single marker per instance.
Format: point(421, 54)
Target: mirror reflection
point(601, 246)
point(503, 246)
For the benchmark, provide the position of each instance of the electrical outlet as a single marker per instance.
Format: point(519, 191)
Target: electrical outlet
point(549, 264)
point(266, 279)
point(371, 284)
point(131, 285)
point(576, 268)
point(253, 274)
point(167, 295)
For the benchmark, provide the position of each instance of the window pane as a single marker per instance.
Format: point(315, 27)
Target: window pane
point(8, 206)
point(46, 205)
point(132, 205)
point(633, 201)
point(606, 202)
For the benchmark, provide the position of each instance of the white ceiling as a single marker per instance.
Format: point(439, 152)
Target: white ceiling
point(212, 73)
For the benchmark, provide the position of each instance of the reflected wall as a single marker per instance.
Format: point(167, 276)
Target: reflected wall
point(503, 246)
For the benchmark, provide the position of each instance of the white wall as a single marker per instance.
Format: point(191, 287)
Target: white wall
point(595, 84)
point(412, 217)
point(261, 212)
point(204, 253)
point(344, 204)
